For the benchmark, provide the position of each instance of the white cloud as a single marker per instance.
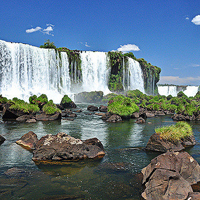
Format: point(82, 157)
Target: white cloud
point(86, 44)
point(47, 30)
point(187, 18)
point(128, 47)
point(195, 65)
point(196, 20)
point(176, 80)
point(33, 29)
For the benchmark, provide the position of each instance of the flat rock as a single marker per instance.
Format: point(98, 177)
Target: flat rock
point(23, 118)
point(63, 147)
point(28, 141)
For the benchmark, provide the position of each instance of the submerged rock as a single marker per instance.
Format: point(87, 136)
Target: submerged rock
point(63, 147)
point(140, 120)
point(24, 118)
point(170, 176)
point(28, 141)
point(2, 139)
point(157, 143)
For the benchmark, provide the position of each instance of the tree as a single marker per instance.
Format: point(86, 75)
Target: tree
point(48, 44)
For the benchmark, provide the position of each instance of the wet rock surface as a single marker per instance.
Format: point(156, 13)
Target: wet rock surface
point(28, 140)
point(157, 143)
point(2, 139)
point(92, 108)
point(114, 118)
point(170, 176)
point(62, 147)
point(140, 120)
point(46, 117)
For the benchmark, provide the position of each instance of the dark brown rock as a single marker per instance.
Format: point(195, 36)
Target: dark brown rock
point(78, 111)
point(24, 118)
point(135, 115)
point(2, 139)
point(157, 143)
point(181, 117)
point(193, 196)
point(73, 115)
point(140, 120)
point(103, 108)
point(170, 176)
point(62, 147)
point(68, 105)
point(67, 112)
point(92, 108)
point(28, 141)
point(100, 114)
point(46, 117)
point(159, 113)
point(106, 116)
point(114, 118)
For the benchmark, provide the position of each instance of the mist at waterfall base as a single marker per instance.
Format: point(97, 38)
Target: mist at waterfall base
point(26, 70)
point(190, 91)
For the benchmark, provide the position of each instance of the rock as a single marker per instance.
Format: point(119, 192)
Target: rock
point(106, 116)
point(28, 140)
point(46, 117)
point(63, 114)
point(15, 172)
point(67, 111)
point(159, 113)
point(170, 176)
point(31, 121)
point(100, 114)
point(23, 118)
point(135, 115)
point(63, 147)
point(140, 120)
point(193, 196)
point(180, 117)
point(73, 115)
point(78, 111)
point(10, 113)
point(89, 97)
point(156, 143)
point(2, 139)
point(150, 114)
point(92, 108)
point(68, 105)
point(114, 118)
point(103, 108)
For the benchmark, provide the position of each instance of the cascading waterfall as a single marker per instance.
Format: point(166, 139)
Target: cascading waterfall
point(173, 90)
point(27, 70)
point(94, 71)
point(135, 76)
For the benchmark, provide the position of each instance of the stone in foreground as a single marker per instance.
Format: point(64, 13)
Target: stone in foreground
point(63, 147)
point(170, 176)
point(28, 141)
point(2, 139)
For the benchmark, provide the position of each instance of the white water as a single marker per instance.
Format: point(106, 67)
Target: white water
point(94, 71)
point(135, 75)
point(173, 90)
point(28, 70)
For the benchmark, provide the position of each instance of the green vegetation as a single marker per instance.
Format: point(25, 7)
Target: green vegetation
point(48, 45)
point(42, 99)
point(50, 108)
point(175, 132)
point(90, 97)
point(66, 99)
point(107, 97)
point(122, 106)
point(3, 99)
point(20, 105)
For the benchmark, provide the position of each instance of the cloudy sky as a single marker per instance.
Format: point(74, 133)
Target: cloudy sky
point(166, 33)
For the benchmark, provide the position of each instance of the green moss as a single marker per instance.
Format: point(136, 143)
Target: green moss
point(122, 106)
point(107, 97)
point(50, 108)
point(3, 99)
point(175, 132)
point(48, 45)
point(66, 99)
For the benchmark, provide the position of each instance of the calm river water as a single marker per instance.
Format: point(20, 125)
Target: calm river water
point(113, 177)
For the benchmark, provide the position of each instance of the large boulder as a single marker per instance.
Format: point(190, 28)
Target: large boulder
point(28, 141)
point(170, 176)
point(2, 139)
point(63, 147)
point(157, 143)
point(24, 118)
point(140, 120)
point(103, 108)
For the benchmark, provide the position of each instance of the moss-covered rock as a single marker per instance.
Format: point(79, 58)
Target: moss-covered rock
point(122, 106)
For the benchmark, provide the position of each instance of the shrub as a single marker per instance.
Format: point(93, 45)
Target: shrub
point(42, 98)
point(122, 106)
point(50, 108)
point(66, 99)
point(175, 132)
point(107, 97)
point(33, 99)
point(3, 99)
point(20, 105)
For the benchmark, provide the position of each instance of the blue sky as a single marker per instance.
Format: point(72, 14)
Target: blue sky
point(166, 33)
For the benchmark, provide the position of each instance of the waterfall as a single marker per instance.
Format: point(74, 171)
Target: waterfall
point(94, 71)
point(174, 90)
point(27, 70)
point(135, 75)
